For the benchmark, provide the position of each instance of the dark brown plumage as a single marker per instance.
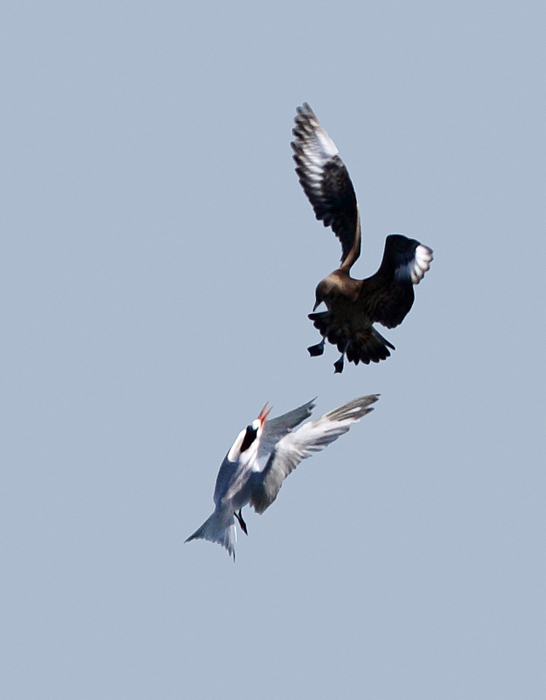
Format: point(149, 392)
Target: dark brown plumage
point(353, 306)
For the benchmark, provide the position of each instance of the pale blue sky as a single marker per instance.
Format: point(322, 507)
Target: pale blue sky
point(158, 260)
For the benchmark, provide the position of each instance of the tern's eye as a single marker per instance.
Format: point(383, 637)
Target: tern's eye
point(249, 438)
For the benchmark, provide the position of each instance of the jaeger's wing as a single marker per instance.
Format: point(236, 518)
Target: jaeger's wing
point(387, 296)
point(326, 182)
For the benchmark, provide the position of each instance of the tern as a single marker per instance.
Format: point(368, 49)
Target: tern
point(353, 306)
point(261, 458)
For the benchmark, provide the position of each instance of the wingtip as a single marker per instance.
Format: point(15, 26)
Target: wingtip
point(305, 108)
point(354, 410)
point(422, 260)
point(311, 405)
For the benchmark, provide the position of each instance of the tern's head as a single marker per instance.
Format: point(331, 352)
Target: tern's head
point(246, 445)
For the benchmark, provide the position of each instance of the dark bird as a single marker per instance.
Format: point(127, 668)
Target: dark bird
point(353, 306)
point(261, 458)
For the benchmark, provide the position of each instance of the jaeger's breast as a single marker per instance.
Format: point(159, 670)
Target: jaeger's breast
point(341, 289)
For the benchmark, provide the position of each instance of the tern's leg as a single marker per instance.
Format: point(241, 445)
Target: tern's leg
point(316, 350)
point(242, 523)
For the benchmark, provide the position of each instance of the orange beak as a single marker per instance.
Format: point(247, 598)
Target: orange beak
point(263, 414)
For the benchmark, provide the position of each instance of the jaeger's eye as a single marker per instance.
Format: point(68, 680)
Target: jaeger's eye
point(249, 438)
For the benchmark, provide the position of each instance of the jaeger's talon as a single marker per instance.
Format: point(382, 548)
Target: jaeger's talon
point(338, 366)
point(316, 350)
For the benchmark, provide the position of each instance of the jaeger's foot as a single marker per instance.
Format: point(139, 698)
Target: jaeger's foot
point(338, 365)
point(316, 350)
point(242, 523)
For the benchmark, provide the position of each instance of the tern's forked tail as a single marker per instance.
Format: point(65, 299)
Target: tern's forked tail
point(218, 528)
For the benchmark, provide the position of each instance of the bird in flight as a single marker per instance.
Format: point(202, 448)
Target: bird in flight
point(353, 306)
point(261, 458)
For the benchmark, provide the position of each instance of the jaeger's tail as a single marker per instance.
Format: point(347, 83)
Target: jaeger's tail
point(368, 346)
point(365, 345)
point(218, 528)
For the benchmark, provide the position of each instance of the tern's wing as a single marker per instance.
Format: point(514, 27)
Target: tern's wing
point(326, 182)
point(226, 476)
point(311, 437)
point(276, 428)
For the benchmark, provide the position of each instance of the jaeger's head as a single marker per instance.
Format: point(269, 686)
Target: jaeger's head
point(323, 293)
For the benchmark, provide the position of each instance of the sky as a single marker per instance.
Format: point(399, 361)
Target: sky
point(158, 260)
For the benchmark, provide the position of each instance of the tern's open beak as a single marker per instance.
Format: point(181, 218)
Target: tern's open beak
point(263, 414)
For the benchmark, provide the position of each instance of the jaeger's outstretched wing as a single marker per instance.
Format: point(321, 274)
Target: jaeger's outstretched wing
point(387, 296)
point(326, 182)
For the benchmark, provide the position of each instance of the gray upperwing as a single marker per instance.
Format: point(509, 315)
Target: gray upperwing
point(312, 437)
point(276, 428)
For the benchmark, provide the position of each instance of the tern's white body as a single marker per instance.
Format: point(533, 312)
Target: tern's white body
point(261, 458)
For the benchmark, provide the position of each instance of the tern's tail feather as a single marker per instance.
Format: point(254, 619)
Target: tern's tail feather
point(218, 528)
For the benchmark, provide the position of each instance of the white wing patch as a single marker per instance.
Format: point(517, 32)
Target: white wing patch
point(318, 148)
point(326, 144)
point(420, 263)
